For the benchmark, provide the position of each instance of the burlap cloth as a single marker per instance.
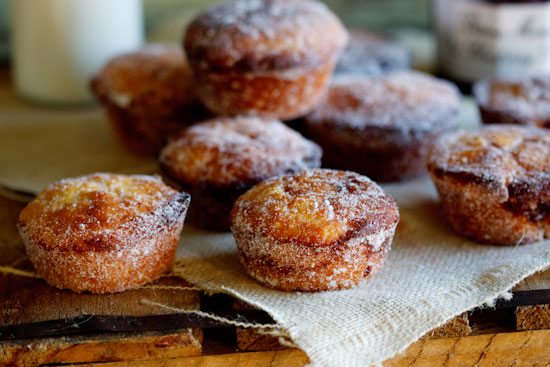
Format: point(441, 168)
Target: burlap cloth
point(430, 276)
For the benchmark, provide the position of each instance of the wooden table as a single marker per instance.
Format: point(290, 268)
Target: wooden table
point(516, 333)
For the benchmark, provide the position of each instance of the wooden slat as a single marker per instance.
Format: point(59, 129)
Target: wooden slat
point(25, 300)
point(534, 317)
point(458, 326)
point(537, 281)
point(526, 349)
point(101, 348)
point(284, 358)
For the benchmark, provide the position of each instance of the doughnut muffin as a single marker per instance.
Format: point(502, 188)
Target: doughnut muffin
point(148, 96)
point(515, 101)
point(103, 233)
point(382, 126)
point(494, 183)
point(218, 160)
point(264, 57)
point(314, 230)
point(369, 53)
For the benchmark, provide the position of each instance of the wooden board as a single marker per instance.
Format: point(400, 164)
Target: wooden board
point(101, 348)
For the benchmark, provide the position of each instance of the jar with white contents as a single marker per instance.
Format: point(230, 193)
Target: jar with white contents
point(492, 38)
point(57, 45)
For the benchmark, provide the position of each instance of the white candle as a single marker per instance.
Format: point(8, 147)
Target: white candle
point(58, 45)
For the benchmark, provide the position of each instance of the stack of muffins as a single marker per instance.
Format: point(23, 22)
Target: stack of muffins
point(213, 114)
point(252, 65)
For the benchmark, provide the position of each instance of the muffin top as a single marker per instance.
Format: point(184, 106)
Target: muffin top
point(317, 207)
point(369, 53)
point(101, 212)
point(509, 160)
point(155, 80)
point(401, 100)
point(234, 151)
point(527, 100)
point(264, 35)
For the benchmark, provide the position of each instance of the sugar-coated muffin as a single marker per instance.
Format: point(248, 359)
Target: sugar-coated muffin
point(148, 96)
point(264, 57)
point(524, 101)
point(314, 230)
point(103, 233)
point(382, 126)
point(369, 53)
point(494, 183)
point(218, 160)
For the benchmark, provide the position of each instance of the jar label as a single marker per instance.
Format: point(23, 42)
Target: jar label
point(478, 39)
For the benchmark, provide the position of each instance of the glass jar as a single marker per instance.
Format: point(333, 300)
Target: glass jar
point(57, 45)
point(491, 38)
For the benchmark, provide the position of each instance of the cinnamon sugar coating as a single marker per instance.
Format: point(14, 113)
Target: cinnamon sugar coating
point(314, 230)
point(494, 183)
point(515, 101)
point(264, 57)
point(103, 233)
point(369, 53)
point(218, 160)
point(263, 35)
point(148, 95)
point(382, 126)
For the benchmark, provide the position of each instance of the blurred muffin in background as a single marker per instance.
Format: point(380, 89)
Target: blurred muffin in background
point(382, 126)
point(218, 160)
point(370, 53)
point(148, 96)
point(270, 58)
point(523, 101)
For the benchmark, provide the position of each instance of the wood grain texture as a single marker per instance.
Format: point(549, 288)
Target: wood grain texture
point(283, 358)
point(248, 340)
point(526, 349)
point(534, 317)
point(458, 326)
point(101, 348)
point(540, 280)
point(26, 300)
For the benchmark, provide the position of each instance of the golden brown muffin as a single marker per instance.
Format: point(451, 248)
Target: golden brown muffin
point(103, 233)
point(148, 96)
point(218, 160)
point(264, 57)
point(369, 53)
point(494, 183)
point(515, 101)
point(382, 126)
point(314, 230)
